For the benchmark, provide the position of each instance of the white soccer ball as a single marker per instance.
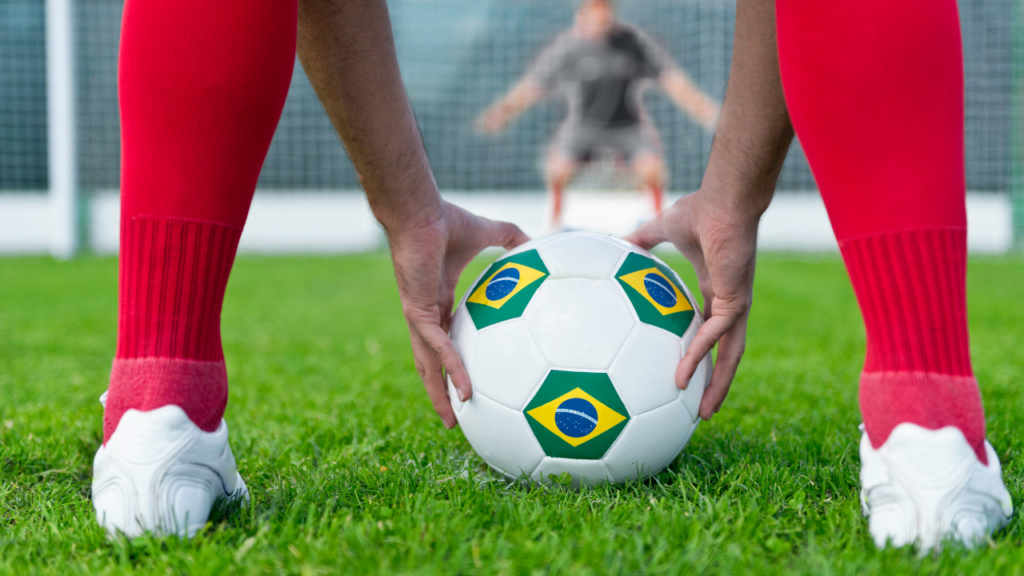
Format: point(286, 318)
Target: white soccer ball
point(571, 342)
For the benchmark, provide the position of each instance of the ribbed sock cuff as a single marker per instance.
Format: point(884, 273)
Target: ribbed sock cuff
point(173, 276)
point(911, 286)
point(929, 400)
point(199, 388)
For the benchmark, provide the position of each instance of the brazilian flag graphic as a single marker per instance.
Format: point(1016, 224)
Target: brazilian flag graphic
point(506, 289)
point(655, 294)
point(576, 415)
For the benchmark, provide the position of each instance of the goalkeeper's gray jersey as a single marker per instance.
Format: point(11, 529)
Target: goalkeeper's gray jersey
point(602, 79)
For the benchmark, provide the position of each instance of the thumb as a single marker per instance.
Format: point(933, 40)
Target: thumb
point(505, 234)
point(648, 235)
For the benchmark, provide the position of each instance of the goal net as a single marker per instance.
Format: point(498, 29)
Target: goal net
point(457, 56)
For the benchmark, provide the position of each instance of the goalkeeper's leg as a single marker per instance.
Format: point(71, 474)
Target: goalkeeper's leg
point(650, 169)
point(875, 93)
point(558, 172)
point(201, 89)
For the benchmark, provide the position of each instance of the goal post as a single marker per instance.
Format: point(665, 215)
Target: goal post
point(61, 136)
point(1017, 129)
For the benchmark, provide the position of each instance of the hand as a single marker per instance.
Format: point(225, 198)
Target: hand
point(721, 244)
point(493, 120)
point(709, 116)
point(428, 260)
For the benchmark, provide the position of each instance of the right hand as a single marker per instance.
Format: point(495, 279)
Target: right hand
point(428, 259)
point(493, 120)
point(721, 244)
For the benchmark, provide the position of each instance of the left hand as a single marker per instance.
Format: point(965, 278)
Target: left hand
point(721, 244)
point(428, 259)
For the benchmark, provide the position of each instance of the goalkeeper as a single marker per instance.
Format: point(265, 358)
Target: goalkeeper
point(601, 67)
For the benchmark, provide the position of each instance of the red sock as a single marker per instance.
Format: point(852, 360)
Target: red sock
point(201, 90)
point(556, 207)
point(658, 197)
point(875, 92)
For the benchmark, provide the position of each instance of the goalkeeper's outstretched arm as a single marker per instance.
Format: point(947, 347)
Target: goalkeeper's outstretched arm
point(523, 95)
point(685, 93)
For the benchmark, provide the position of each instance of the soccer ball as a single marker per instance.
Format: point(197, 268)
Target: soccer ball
point(571, 342)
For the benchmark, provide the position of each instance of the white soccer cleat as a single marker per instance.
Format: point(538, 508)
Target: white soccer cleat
point(923, 486)
point(161, 473)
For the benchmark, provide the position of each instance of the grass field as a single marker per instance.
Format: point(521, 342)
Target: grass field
point(351, 472)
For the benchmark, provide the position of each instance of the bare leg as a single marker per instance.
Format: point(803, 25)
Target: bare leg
point(560, 170)
point(651, 171)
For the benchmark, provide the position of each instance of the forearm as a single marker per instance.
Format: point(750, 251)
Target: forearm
point(521, 97)
point(348, 52)
point(754, 132)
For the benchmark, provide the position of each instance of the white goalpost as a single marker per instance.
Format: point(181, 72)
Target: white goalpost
point(61, 136)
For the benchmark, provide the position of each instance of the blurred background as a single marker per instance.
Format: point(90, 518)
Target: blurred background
point(59, 133)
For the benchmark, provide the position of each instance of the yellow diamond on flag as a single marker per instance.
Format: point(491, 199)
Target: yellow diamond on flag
point(657, 289)
point(576, 417)
point(504, 284)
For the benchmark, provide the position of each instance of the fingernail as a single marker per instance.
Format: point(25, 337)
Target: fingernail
point(462, 397)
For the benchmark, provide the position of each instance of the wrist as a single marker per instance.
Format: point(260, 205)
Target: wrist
point(743, 195)
point(402, 216)
point(743, 201)
point(404, 202)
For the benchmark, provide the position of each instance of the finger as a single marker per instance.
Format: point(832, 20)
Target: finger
point(505, 234)
point(708, 292)
point(429, 368)
point(649, 234)
point(447, 315)
point(444, 350)
point(706, 287)
point(703, 341)
point(730, 352)
point(446, 306)
point(475, 234)
point(704, 283)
